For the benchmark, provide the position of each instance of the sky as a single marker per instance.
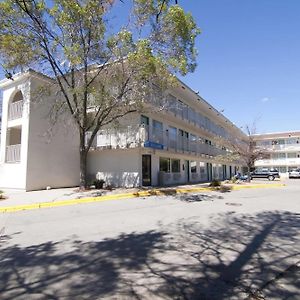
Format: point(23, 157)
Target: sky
point(249, 60)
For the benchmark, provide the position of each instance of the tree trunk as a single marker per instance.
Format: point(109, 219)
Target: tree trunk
point(248, 174)
point(83, 162)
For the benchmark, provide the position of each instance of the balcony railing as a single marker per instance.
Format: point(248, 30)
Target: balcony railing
point(15, 110)
point(146, 136)
point(282, 147)
point(13, 153)
point(185, 112)
point(278, 162)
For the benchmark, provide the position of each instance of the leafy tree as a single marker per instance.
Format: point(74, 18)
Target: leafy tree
point(249, 152)
point(246, 151)
point(98, 65)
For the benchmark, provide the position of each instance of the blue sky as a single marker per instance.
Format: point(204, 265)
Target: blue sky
point(249, 60)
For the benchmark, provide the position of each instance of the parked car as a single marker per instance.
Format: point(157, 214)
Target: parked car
point(271, 174)
point(295, 173)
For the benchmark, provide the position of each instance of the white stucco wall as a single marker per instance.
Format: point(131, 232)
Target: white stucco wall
point(116, 167)
point(53, 150)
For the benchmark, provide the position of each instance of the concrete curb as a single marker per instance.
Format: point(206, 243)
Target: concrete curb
point(158, 192)
point(257, 186)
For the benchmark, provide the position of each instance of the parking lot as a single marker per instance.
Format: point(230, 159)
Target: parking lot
point(237, 245)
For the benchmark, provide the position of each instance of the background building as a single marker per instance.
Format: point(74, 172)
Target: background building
point(284, 150)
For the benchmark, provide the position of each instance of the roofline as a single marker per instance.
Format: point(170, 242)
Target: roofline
point(22, 75)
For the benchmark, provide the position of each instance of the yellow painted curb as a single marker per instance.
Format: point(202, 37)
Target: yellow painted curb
point(257, 186)
point(158, 192)
point(65, 202)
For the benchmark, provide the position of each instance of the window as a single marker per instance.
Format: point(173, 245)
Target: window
point(278, 156)
point(157, 94)
point(201, 120)
point(278, 142)
point(175, 165)
point(157, 125)
point(207, 124)
point(263, 143)
point(157, 132)
point(292, 155)
point(281, 155)
point(291, 141)
point(172, 103)
point(172, 133)
point(180, 106)
point(180, 132)
point(214, 171)
point(191, 113)
point(185, 111)
point(220, 168)
point(144, 120)
point(203, 170)
point(164, 164)
point(193, 167)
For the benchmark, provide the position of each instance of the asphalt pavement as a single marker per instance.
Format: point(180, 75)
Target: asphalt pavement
point(236, 245)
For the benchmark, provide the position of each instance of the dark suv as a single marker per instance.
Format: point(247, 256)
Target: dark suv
point(271, 174)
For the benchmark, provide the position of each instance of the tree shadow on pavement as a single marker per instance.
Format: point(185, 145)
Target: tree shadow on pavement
point(197, 197)
point(237, 257)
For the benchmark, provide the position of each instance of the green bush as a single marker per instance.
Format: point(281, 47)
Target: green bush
point(2, 195)
point(99, 184)
point(215, 183)
point(234, 179)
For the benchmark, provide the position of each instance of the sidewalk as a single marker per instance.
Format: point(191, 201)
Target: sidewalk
point(21, 200)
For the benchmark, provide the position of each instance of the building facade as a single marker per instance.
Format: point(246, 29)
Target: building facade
point(182, 143)
point(283, 149)
point(34, 154)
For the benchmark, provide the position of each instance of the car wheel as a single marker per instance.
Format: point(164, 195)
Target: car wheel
point(271, 177)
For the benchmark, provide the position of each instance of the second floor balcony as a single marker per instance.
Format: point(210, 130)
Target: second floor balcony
point(15, 110)
point(13, 153)
point(149, 137)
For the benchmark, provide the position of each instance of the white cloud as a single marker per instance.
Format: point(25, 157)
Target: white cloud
point(265, 99)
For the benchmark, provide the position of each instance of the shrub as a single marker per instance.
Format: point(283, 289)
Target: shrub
point(2, 195)
point(109, 187)
point(98, 183)
point(234, 179)
point(215, 183)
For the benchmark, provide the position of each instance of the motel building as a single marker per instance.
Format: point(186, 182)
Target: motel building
point(283, 148)
point(184, 143)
